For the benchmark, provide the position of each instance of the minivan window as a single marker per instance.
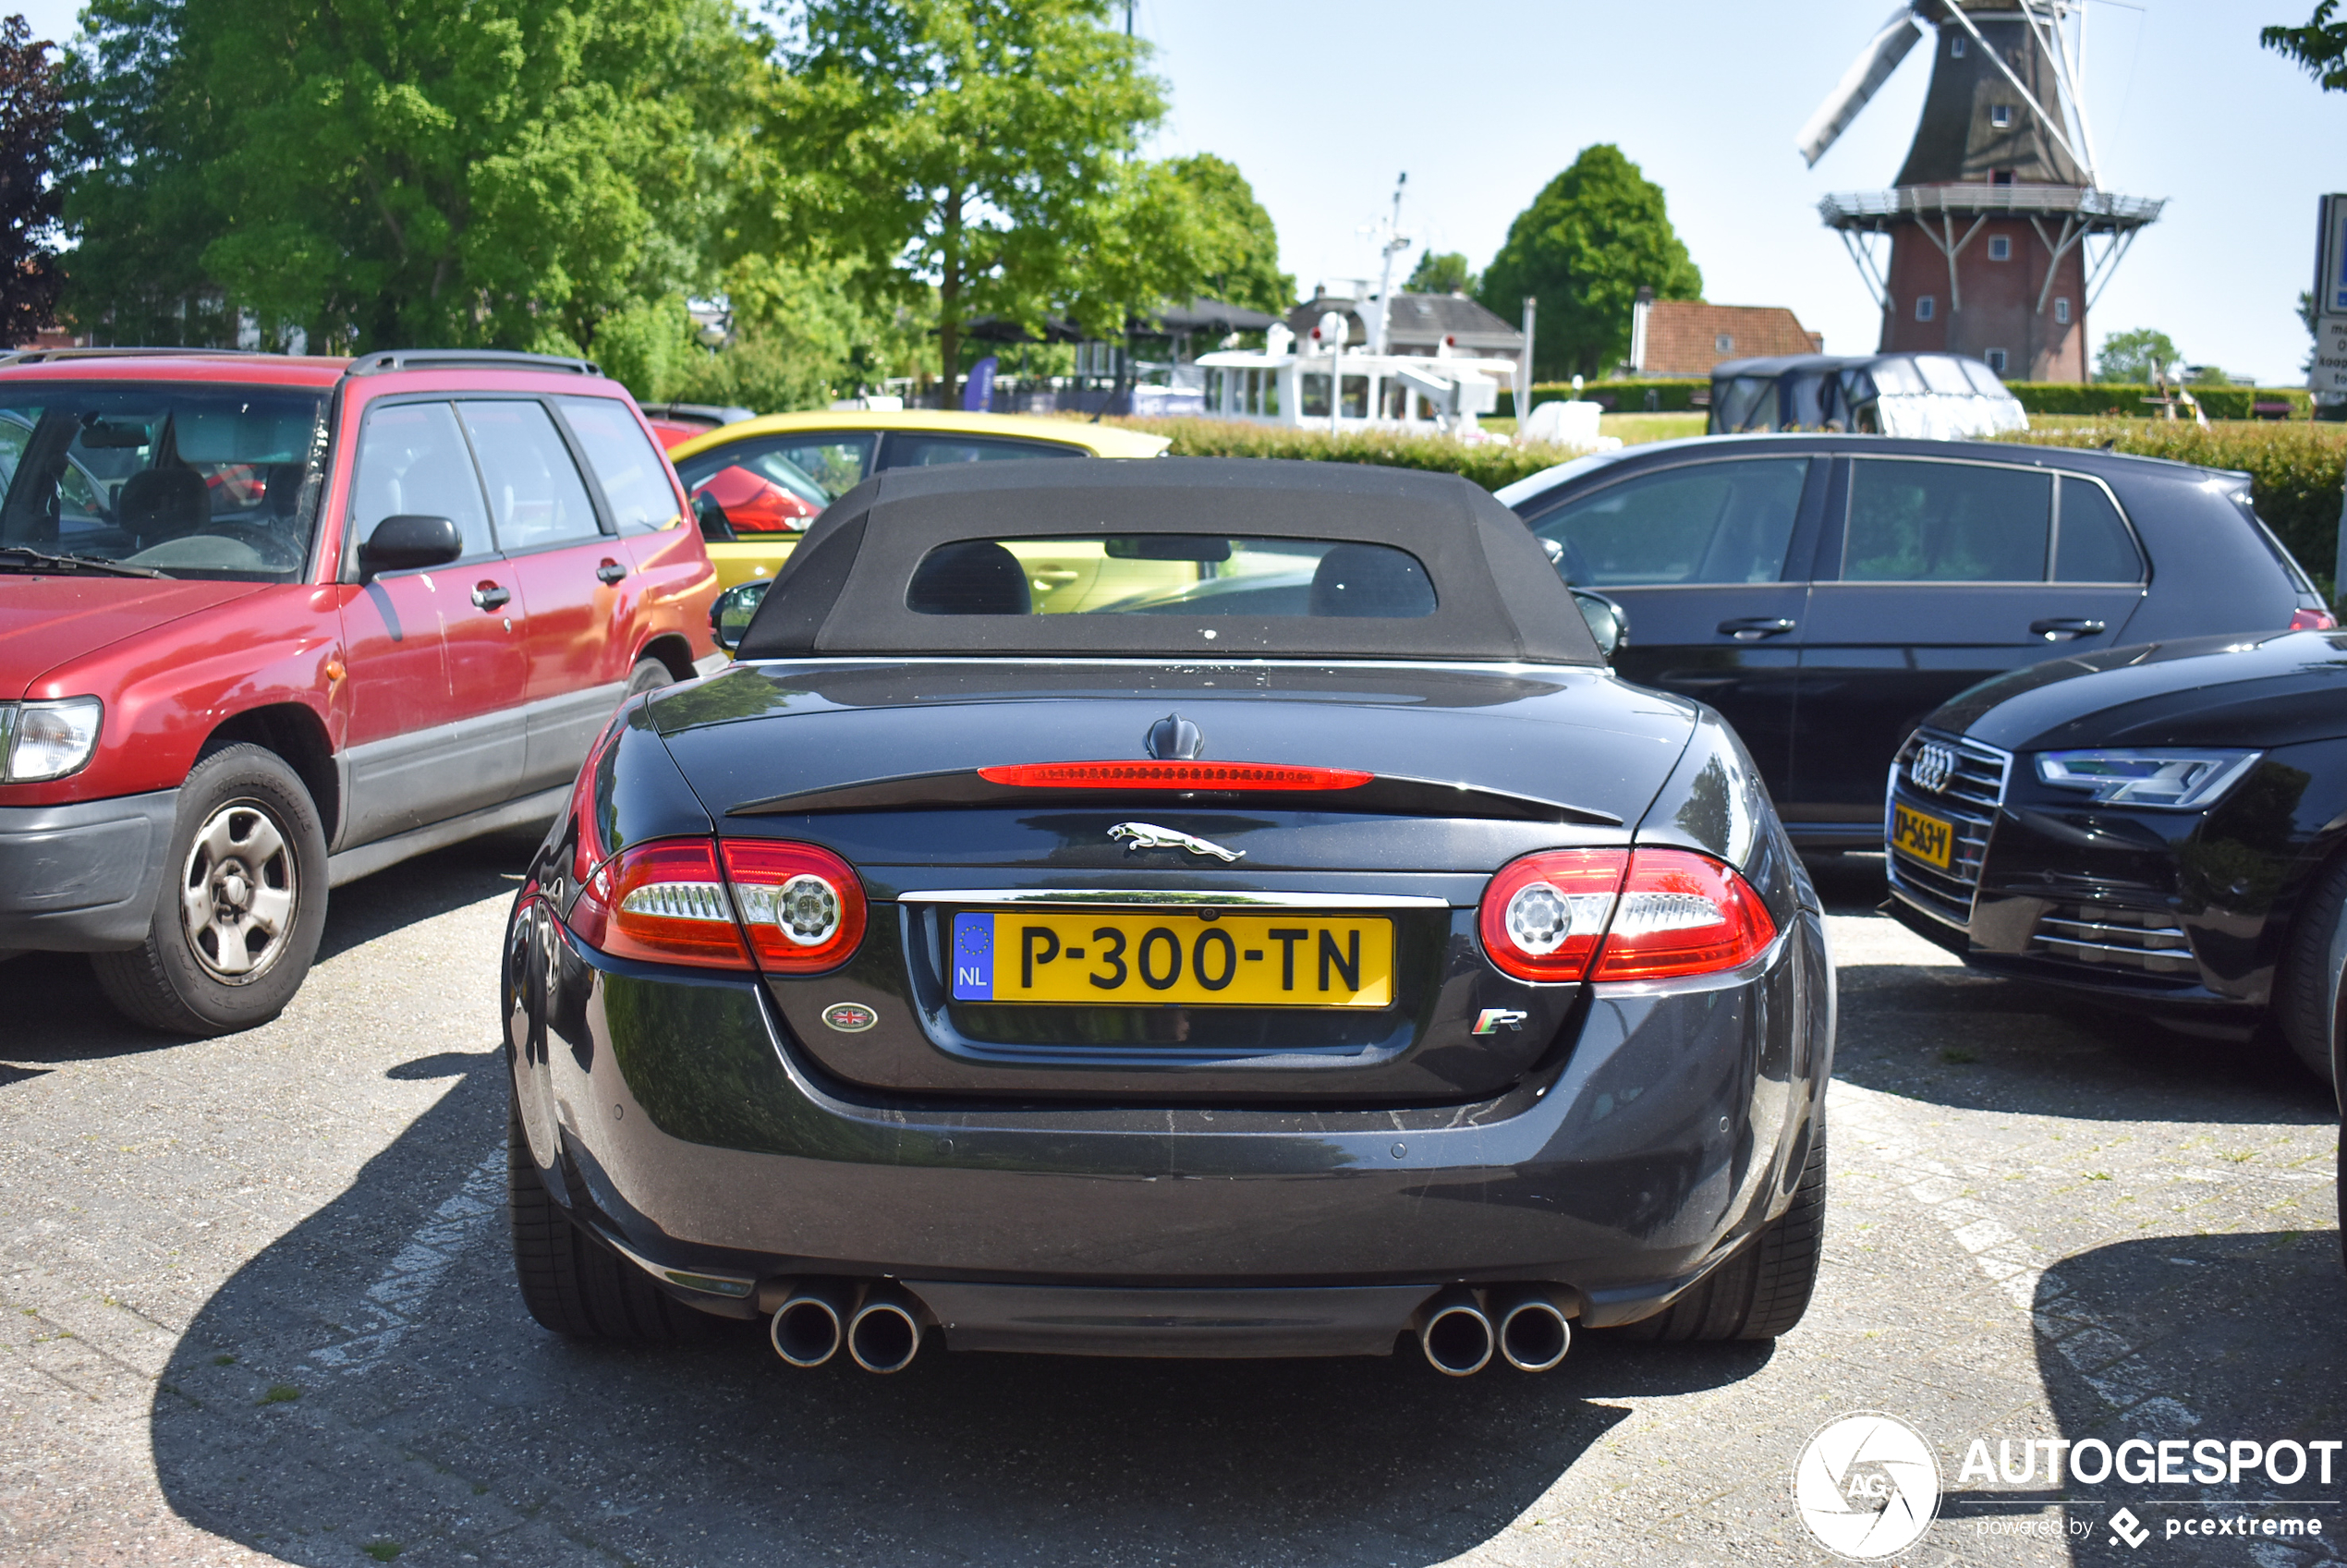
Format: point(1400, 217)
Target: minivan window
point(194, 481)
point(635, 480)
point(1946, 522)
point(413, 461)
point(1724, 522)
point(536, 497)
point(2091, 541)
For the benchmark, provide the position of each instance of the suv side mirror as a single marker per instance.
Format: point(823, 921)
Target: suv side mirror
point(729, 619)
point(1609, 622)
point(406, 541)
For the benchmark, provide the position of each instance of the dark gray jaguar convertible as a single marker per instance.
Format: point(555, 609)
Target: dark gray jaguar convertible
point(1163, 975)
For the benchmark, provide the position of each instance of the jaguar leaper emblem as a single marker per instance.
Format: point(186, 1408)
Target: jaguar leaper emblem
point(1148, 835)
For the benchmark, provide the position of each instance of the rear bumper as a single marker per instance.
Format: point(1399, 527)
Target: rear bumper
point(675, 1114)
point(84, 877)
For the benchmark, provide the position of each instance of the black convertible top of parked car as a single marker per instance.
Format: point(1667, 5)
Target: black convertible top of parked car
point(1214, 983)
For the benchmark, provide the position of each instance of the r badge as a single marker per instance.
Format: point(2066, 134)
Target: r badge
point(1492, 1020)
point(850, 1017)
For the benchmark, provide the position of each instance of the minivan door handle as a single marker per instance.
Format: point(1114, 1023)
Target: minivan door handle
point(610, 572)
point(1752, 629)
point(492, 596)
point(2064, 627)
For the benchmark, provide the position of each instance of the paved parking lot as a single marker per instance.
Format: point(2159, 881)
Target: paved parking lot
point(255, 1306)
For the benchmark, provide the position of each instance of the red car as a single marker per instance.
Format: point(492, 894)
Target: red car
point(268, 625)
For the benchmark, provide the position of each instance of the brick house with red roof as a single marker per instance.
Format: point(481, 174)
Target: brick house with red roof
point(1686, 338)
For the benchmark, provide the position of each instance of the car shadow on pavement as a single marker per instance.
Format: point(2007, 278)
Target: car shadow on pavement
point(1950, 1035)
point(372, 1380)
point(2231, 1337)
point(57, 1014)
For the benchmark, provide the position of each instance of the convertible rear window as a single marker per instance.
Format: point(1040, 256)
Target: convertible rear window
point(1170, 573)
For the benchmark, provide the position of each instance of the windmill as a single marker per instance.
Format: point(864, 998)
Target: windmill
point(1990, 223)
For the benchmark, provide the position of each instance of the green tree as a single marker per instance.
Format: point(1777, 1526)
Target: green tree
point(1235, 249)
point(2134, 356)
point(972, 146)
point(2320, 46)
point(31, 117)
point(385, 171)
point(1584, 248)
point(1446, 273)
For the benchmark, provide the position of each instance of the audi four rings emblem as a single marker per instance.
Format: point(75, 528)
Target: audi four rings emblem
point(1931, 766)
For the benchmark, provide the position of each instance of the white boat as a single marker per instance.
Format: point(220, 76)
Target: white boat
point(1315, 383)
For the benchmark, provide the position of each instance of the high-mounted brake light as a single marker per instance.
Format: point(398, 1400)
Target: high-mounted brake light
point(1642, 915)
point(668, 902)
point(1172, 775)
point(2305, 620)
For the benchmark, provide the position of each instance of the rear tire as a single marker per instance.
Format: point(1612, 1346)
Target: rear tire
point(650, 674)
point(570, 1280)
point(1764, 1289)
point(242, 905)
point(2302, 994)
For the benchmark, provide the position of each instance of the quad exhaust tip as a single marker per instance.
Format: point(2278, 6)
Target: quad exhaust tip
point(1526, 1326)
point(809, 1324)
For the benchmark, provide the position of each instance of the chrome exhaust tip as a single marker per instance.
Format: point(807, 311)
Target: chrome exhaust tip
point(885, 1334)
point(809, 1325)
point(1455, 1333)
point(1534, 1331)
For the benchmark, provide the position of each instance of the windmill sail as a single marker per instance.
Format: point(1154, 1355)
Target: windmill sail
point(1859, 83)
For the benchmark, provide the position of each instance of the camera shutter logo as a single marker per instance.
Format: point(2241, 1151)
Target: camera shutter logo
point(1867, 1486)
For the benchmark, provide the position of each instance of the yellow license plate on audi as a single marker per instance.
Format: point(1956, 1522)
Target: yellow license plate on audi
point(1929, 839)
point(1285, 960)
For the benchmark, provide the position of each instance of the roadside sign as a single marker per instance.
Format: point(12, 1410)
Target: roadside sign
point(2330, 258)
point(2329, 373)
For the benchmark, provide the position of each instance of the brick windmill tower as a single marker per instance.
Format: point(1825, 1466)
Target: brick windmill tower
point(1990, 223)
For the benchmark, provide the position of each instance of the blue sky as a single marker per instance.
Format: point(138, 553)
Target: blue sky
point(1483, 101)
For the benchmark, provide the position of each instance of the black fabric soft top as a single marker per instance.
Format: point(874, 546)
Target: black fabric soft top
point(843, 591)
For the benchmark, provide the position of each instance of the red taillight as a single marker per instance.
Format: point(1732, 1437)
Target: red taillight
point(2305, 620)
point(1542, 915)
point(754, 504)
point(1172, 775)
point(1660, 913)
point(666, 902)
point(803, 906)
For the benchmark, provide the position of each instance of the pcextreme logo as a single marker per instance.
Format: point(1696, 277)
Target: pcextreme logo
point(1867, 1486)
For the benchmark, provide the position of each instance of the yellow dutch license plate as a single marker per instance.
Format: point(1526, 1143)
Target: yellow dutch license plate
point(1286, 960)
point(1929, 839)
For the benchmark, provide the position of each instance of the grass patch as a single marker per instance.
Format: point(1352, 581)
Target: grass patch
point(382, 1550)
point(1957, 1056)
point(281, 1393)
point(224, 1361)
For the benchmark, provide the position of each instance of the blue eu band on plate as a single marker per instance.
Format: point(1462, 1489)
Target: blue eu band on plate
point(1285, 960)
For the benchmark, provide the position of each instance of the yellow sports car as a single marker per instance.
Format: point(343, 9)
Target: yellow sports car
point(755, 485)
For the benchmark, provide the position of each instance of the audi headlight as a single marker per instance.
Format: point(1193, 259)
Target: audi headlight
point(48, 740)
point(2169, 778)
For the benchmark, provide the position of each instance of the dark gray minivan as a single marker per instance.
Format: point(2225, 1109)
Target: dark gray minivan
point(1825, 592)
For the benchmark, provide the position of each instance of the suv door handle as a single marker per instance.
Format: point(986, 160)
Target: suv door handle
point(610, 572)
point(1752, 629)
point(2065, 627)
point(491, 596)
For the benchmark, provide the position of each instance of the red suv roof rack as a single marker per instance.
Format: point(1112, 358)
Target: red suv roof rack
point(37, 356)
point(386, 359)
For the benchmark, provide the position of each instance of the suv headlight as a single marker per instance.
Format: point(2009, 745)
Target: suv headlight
point(48, 740)
point(2168, 778)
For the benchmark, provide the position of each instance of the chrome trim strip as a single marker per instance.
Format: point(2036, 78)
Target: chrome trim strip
point(733, 1286)
point(1721, 980)
point(1179, 897)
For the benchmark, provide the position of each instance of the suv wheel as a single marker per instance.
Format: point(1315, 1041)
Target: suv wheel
point(571, 1281)
point(1764, 1289)
point(242, 907)
point(650, 674)
point(2302, 994)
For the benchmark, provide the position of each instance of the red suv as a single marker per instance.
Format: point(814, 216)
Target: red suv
point(268, 625)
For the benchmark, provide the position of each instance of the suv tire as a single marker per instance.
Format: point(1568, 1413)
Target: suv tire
point(2302, 995)
point(570, 1280)
point(1764, 1289)
point(650, 674)
point(242, 905)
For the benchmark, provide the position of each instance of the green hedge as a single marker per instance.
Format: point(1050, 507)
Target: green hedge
point(2126, 400)
point(1619, 397)
point(1488, 464)
point(2295, 470)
